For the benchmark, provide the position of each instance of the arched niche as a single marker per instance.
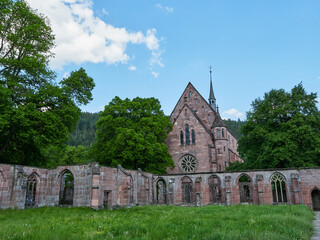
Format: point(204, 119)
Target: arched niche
point(245, 188)
point(66, 188)
point(315, 195)
point(32, 186)
point(187, 193)
point(161, 188)
point(215, 189)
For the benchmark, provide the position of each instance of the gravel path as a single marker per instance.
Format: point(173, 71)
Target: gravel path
point(316, 223)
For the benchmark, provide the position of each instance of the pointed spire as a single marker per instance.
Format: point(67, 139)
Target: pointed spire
point(212, 99)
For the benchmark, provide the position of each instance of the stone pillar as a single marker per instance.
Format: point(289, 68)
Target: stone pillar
point(260, 189)
point(228, 190)
point(198, 191)
point(95, 186)
point(171, 191)
point(295, 188)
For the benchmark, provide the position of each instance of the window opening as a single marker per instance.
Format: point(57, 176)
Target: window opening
point(66, 188)
point(222, 133)
point(215, 189)
point(31, 190)
point(193, 137)
point(187, 135)
point(209, 119)
point(278, 185)
point(245, 188)
point(161, 192)
point(218, 133)
point(188, 164)
point(186, 190)
point(181, 138)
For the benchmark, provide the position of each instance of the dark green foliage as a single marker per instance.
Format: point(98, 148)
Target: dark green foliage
point(85, 131)
point(234, 127)
point(34, 111)
point(282, 131)
point(60, 155)
point(132, 133)
point(238, 222)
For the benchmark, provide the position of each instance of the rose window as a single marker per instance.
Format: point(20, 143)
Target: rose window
point(188, 164)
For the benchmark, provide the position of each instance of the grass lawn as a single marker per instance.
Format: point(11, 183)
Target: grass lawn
point(159, 222)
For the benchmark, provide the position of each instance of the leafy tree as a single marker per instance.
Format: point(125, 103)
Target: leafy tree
point(85, 131)
point(132, 133)
point(59, 155)
point(34, 111)
point(282, 130)
point(234, 126)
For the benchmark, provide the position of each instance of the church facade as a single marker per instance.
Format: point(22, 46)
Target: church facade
point(200, 141)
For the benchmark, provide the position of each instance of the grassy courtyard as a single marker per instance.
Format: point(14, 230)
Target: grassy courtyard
point(159, 222)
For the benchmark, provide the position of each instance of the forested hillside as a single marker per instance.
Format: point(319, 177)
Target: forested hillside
point(234, 127)
point(85, 131)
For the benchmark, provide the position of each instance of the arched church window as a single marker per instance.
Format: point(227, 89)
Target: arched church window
point(196, 101)
point(186, 112)
point(188, 164)
point(31, 190)
point(278, 185)
point(190, 94)
point(218, 133)
point(187, 135)
point(181, 138)
point(193, 137)
point(209, 118)
point(202, 109)
point(222, 133)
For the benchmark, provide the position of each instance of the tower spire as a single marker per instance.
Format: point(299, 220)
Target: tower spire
point(212, 99)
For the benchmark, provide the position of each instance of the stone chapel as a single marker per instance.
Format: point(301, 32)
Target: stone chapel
point(200, 141)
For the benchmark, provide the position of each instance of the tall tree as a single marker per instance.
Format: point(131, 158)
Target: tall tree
point(34, 111)
point(132, 133)
point(282, 130)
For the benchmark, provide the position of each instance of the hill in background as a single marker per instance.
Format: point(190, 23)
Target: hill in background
point(85, 131)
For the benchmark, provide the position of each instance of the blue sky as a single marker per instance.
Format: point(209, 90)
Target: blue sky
point(154, 48)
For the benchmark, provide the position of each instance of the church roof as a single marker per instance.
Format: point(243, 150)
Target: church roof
point(197, 117)
point(211, 95)
point(184, 92)
point(218, 122)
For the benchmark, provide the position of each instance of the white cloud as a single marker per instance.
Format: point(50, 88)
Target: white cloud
point(82, 37)
point(132, 68)
point(65, 75)
point(155, 74)
point(167, 9)
point(105, 12)
point(233, 113)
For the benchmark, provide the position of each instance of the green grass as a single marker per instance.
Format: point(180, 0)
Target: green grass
point(159, 222)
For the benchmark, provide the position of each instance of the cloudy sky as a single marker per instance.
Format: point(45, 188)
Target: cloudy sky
point(152, 48)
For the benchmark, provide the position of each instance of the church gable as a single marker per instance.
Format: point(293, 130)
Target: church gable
point(190, 138)
point(197, 103)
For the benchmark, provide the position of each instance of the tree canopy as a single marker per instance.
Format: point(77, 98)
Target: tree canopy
point(34, 111)
point(282, 131)
point(132, 133)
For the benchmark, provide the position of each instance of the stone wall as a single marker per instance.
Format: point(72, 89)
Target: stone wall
point(100, 187)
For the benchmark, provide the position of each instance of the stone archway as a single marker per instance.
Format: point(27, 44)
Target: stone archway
point(245, 188)
point(315, 195)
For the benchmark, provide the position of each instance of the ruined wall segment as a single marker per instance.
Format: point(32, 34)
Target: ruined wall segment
point(106, 187)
